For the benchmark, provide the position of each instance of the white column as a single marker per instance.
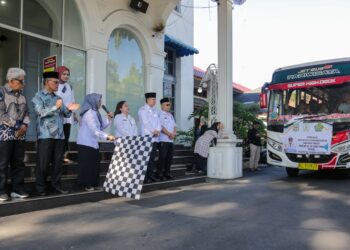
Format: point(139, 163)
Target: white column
point(225, 63)
point(225, 160)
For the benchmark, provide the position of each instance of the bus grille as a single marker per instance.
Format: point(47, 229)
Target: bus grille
point(310, 158)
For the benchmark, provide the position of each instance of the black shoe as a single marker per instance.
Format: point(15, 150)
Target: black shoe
point(4, 197)
point(43, 193)
point(60, 191)
point(147, 181)
point(169, 177)
point(152, 179)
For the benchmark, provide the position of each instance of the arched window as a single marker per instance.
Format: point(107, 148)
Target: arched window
point(125, 70)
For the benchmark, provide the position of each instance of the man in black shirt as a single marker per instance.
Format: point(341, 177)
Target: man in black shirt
point(254, 138)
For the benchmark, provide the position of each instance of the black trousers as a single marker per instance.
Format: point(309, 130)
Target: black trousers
point(89, 166)
point(49, 151)
point(12, 153)
point(152, 164)
point(200, 162)
point(66, 131)
point(166, 151)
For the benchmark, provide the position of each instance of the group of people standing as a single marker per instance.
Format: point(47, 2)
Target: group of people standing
point(55, 108)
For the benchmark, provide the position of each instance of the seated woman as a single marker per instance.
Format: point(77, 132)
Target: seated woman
point(124, 124)
point(201, 149)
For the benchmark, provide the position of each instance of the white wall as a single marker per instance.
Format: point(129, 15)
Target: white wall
point(101, 17)
point(180, 26)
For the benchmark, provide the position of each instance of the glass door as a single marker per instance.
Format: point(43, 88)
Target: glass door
point(9, 44)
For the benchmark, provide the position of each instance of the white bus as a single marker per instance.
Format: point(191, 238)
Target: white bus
point(308, 126)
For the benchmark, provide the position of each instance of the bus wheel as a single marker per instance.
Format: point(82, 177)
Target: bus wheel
point(292, 172)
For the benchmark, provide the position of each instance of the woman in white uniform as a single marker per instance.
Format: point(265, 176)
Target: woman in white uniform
point(65, 91)
point(90, 132)
point(124, 124)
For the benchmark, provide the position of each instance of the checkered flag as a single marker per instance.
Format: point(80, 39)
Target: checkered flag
point(128, 166)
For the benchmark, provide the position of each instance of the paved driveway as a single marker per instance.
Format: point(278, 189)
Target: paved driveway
point(264, 210)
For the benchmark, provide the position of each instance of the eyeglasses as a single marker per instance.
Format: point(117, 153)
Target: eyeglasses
point(20, 80)
point(54, 81)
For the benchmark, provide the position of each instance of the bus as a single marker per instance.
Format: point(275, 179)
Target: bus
point(308, 123)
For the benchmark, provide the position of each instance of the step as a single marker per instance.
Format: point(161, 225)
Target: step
point(72, 168)
point(69, 181)
point(30, 156)
point(104, 146)
point(41, 203)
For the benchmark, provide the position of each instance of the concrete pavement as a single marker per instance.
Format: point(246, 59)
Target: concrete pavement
point(263, 210)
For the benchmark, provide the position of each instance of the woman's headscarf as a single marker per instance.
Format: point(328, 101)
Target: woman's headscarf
point(60, 71)
point(92, 101)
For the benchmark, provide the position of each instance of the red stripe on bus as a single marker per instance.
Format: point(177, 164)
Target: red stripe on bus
point(310, 83)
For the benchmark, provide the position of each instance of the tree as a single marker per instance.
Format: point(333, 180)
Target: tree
point(243, 117)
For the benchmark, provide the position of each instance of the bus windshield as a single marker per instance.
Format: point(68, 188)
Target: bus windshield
point(331, 102)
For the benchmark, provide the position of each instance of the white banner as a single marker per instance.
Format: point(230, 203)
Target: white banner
point(308, 138)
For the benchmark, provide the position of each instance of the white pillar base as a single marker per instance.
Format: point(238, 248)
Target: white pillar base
point(225, 160)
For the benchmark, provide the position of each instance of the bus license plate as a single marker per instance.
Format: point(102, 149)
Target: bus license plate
point(308, 166)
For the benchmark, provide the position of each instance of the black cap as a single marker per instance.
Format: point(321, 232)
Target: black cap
point(150, 95)
point(50, 74)
point(165, 99)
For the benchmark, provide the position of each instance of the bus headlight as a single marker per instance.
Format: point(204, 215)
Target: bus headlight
point(343, 147)
point(275, 145)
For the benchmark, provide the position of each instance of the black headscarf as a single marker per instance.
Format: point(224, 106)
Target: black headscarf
point(214, 127)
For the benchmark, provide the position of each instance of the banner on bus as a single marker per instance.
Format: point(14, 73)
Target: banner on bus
point(308, 138)
point(310, 83)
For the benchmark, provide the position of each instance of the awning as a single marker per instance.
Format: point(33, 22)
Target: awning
point(181, 48)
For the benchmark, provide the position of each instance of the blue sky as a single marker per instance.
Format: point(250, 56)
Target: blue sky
point(268, 34)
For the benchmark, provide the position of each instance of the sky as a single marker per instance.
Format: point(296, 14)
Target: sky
point(269, 34)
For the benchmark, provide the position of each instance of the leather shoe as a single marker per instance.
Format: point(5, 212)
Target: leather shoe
point(169, 177)
point(60, 191)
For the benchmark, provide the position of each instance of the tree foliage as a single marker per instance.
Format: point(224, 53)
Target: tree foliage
point(243, 117)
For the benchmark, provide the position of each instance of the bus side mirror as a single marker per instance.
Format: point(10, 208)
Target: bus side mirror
point(263, 100)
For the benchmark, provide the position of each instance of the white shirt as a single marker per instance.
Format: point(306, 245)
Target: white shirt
point(67, 98)
point(124, 125)
point(149, 121)
point(90, 129)
point(167, 121)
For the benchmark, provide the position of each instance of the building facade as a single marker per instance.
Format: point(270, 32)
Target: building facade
point(110, 48)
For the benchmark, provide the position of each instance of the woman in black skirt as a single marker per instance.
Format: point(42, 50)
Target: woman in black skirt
point(90, 131)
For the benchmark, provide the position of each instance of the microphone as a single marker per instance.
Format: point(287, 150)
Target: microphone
point(105, 109)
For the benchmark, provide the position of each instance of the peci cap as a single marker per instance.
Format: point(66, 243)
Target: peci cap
point(150, 95)
point(165, 99)
point(50, 74)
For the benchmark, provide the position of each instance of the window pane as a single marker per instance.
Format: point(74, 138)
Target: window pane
point(75, 61)
point(9, 48)
point(73, 28)
point(125, 71)
point(34, 51)
point(43, 17)
point(10, 12)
